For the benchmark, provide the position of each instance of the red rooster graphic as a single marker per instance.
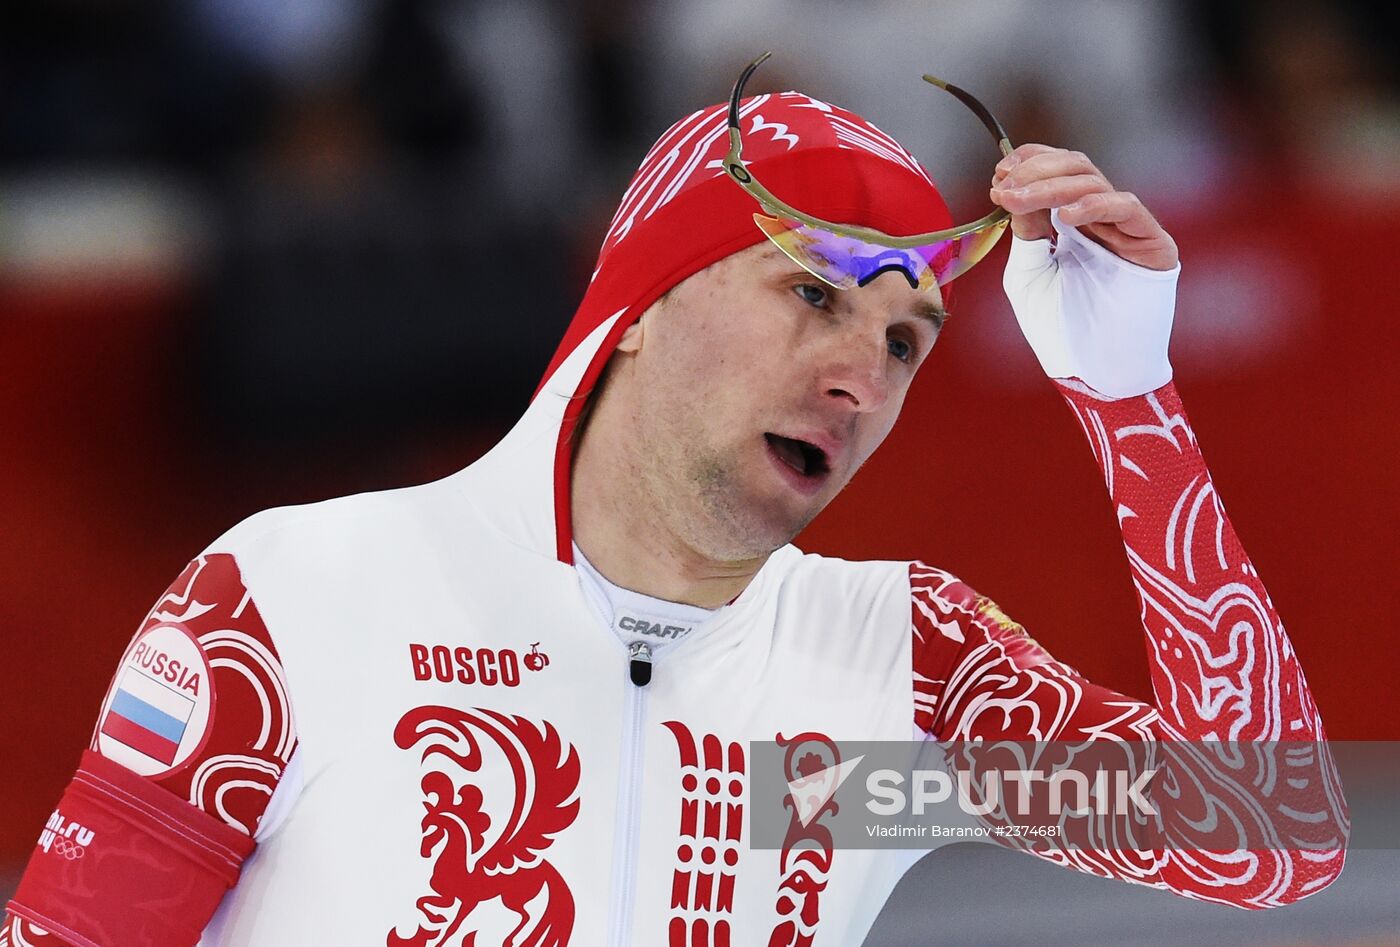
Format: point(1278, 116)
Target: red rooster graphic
point(466, 871)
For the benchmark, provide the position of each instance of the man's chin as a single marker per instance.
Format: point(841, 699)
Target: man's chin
point(753, 530)
point(779, 523)
point(753, 523)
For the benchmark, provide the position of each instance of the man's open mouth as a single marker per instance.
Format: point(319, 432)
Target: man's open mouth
point(809, 460)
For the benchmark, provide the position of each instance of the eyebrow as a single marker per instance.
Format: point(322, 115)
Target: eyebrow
point(932, 312)
point(923, 309)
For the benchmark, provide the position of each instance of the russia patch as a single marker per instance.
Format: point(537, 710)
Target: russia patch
point(157, 712)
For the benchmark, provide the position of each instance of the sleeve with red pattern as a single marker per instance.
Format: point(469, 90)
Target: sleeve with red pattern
point(1222, 670)
point(193, 736)
point(123, 861)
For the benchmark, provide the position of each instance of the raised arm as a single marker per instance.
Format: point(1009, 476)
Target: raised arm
point(1092, 278)
point(1222, 669)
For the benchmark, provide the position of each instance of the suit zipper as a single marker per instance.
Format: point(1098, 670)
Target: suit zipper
point(629, 792)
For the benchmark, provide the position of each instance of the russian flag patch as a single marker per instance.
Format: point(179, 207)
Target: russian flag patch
point(148, 715)
point(159, 707)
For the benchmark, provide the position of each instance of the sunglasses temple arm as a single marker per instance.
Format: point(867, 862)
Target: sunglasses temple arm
point(739, 90)
point(989, 121)
point(734, 165)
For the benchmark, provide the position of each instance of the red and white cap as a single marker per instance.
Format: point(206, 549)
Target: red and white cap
point(681, 213)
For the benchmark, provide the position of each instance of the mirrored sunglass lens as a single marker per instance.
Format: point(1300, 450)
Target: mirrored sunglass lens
point(952, 258)
point(846, 262)
point(805, 250)
point(842, 261)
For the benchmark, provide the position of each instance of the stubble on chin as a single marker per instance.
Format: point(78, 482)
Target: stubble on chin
point(733, 525)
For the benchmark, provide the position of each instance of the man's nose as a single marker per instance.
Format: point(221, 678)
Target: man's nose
point(857, 371)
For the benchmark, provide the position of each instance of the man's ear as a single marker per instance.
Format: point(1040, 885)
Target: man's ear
point(631, 340)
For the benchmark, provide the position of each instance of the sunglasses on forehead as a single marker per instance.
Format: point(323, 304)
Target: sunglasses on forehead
point(846, 255)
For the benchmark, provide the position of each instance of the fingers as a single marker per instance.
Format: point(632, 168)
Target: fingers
point(1120, 208)
point(1022, 153)
point(1153, 254)
point(1052, 162)
point(1121, 223)
point(1049, 192)
point(1035, 178)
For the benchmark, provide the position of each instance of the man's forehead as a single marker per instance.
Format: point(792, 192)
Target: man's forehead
point(926, 305)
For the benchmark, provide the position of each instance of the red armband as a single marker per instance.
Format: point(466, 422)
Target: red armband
point(124, 862)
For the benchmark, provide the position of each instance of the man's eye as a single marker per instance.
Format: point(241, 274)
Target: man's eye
point(901, 350)
point(813, 295)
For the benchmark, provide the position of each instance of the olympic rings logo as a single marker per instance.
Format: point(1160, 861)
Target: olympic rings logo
point(69, 849)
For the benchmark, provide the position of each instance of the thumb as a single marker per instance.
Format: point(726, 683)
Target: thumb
point(1031, 226)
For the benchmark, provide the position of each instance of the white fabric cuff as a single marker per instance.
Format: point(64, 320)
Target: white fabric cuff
point(1088, 313)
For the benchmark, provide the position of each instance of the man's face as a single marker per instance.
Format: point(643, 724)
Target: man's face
point(754, 392)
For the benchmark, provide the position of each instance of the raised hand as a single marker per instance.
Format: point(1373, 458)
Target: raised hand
point(1034, 179)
